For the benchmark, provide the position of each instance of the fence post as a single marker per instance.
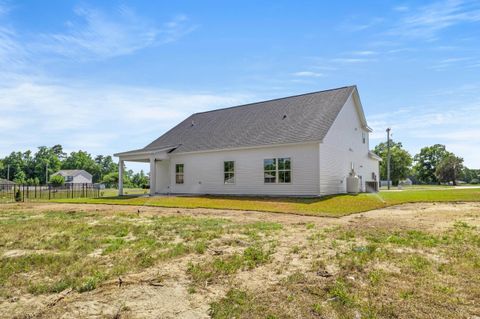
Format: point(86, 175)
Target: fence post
point(49, 195)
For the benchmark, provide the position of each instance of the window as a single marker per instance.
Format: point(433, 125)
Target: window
point(277, 170)
point(179, 171)
point(270, 170)
point(284, 170)
point(68, 179)
point(364, 137)
point(229, 172)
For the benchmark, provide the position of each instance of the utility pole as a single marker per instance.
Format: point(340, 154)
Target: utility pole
point(388, 158)
point(8, 172)
point(46, 174)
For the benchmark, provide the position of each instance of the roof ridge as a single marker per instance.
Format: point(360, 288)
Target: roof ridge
point(276, 99)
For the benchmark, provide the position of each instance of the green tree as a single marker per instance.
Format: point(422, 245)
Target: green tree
point(45, 158)
point(17, 161)
point(20, 177)
point(105, 165)
point(426, 163)
point(57, 180)
point(470, 175)
point(449, 169)
point(140, 180)
point(400, 161)
point(110, 180)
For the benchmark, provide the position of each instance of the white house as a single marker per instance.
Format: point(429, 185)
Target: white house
point(75, 176)
point(304, 145)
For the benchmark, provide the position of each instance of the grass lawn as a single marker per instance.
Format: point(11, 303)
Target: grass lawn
point(334, 206)
point(380, 267)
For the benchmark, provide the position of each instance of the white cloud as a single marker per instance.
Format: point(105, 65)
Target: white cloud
point(99, 35)
point(308, 74)
point(98, 119)
point(426, 22)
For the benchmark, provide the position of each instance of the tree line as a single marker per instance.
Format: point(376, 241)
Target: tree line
point(35, 168)
point(432, 165)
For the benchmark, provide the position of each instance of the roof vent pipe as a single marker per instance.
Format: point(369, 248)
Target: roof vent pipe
point(193, 123)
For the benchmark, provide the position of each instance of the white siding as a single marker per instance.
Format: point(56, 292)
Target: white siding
point(341, 147)
point(204, 171)
point(81, 179)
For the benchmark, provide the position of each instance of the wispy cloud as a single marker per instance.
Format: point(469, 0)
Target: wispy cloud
point(450, 123)
point(426, 22)
point(99, 35)
point(401, 8)
point(364, 53)
point(67, 114)
point(356, 26)
point(350, 60)
point(308, 74)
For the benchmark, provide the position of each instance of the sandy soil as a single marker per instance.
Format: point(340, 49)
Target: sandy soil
point(162, 291)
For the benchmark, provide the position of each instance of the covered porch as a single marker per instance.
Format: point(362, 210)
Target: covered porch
point(159, 164)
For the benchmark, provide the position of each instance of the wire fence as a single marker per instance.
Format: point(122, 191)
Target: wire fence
point(23, 193)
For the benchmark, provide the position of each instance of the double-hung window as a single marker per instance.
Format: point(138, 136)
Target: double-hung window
point(179, 173)
point(284, 170)
point(229, 172)
point(270, 170)
point(277, 170)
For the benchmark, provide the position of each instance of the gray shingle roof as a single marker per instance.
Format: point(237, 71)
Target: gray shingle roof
point(71, 172)
point(295, 119)
point(6, 182)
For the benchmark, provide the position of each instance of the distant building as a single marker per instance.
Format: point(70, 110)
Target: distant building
point(75, 176)
point(6, 184)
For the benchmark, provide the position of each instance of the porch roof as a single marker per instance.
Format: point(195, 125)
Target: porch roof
point(145, 155)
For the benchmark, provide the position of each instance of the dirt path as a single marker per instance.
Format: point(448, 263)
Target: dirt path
point(144, 295)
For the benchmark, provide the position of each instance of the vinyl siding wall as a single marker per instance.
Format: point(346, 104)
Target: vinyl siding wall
point(342, 146)
point(204, 171)
point(82, 179)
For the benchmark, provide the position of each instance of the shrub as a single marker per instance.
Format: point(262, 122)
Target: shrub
point(18, 196)
point(475, 181)
point(57, 180)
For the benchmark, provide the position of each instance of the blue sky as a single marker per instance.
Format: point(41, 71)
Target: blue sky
point(111, 76)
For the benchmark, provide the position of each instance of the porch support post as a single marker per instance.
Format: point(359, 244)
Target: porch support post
point(153, 175)
point(120, 177)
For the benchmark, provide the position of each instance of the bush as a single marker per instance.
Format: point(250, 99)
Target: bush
point(18, 196)
point(475, 181)
point(57, 180)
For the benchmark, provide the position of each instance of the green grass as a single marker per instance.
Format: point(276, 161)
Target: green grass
point(334, 206)
point(56, 250)
point(438, 279)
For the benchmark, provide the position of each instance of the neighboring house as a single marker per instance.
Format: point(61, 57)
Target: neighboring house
point(75, 176)
point(6, 185)
point(304, 145)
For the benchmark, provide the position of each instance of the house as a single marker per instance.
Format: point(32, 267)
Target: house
point(6, 185)
point(303, 145)
point(75, 176)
